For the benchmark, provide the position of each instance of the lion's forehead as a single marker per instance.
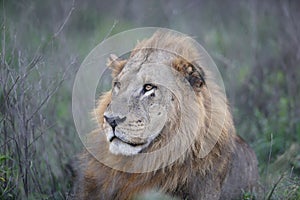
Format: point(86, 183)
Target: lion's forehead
point(151, 72)
point(141, 58)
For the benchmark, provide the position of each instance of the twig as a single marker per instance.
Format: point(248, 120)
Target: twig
point(3, 33)
point(35, 180)
point(61, 27)
point(292, 30)
point(41, 134)
point(11, 88)
point(65, 21)
point(111, 29)
point(274, 187)
point(270, 155)
point(5, 149)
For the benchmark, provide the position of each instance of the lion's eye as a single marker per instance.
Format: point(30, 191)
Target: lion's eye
point(117, 84)
point(148, 87)
point(116, 87)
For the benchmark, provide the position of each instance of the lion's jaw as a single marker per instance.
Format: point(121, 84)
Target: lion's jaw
point(120, 145)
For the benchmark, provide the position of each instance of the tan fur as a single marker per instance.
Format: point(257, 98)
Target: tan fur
point(115, 64)
point(201, 172)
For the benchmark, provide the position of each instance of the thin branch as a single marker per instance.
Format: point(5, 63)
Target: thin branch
point(270, 155)
point(60, 29)
point(274, 187)
point(3, 35)
point(43, 131)
point(65, 21)
point(292, 30)
point(32, 64)
point(111, 29)
point(11, 88)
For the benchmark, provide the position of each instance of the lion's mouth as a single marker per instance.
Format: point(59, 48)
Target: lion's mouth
point(125, 141)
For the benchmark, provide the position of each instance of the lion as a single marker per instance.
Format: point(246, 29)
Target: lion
point(166, 126)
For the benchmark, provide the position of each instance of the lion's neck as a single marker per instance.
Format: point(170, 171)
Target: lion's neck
point(176, 179)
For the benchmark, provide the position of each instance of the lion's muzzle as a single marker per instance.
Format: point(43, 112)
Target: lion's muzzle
point(113, 121)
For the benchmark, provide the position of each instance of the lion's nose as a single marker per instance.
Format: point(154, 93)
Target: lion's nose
point(113, 121)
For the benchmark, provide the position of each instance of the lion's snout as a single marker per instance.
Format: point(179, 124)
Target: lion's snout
point(114, 121)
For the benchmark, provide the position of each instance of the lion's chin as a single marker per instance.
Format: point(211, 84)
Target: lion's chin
point(118, 147)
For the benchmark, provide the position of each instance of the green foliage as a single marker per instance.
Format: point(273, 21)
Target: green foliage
point(248, 196)
point(6, 173)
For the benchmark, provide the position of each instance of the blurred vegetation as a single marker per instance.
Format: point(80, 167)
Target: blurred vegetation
point(255, 44)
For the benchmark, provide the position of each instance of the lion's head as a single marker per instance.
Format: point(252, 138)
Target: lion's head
point(167, 121)
point(160, 94)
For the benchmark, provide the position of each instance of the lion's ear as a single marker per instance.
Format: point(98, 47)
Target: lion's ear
point(193, 73)
point(116, 64)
